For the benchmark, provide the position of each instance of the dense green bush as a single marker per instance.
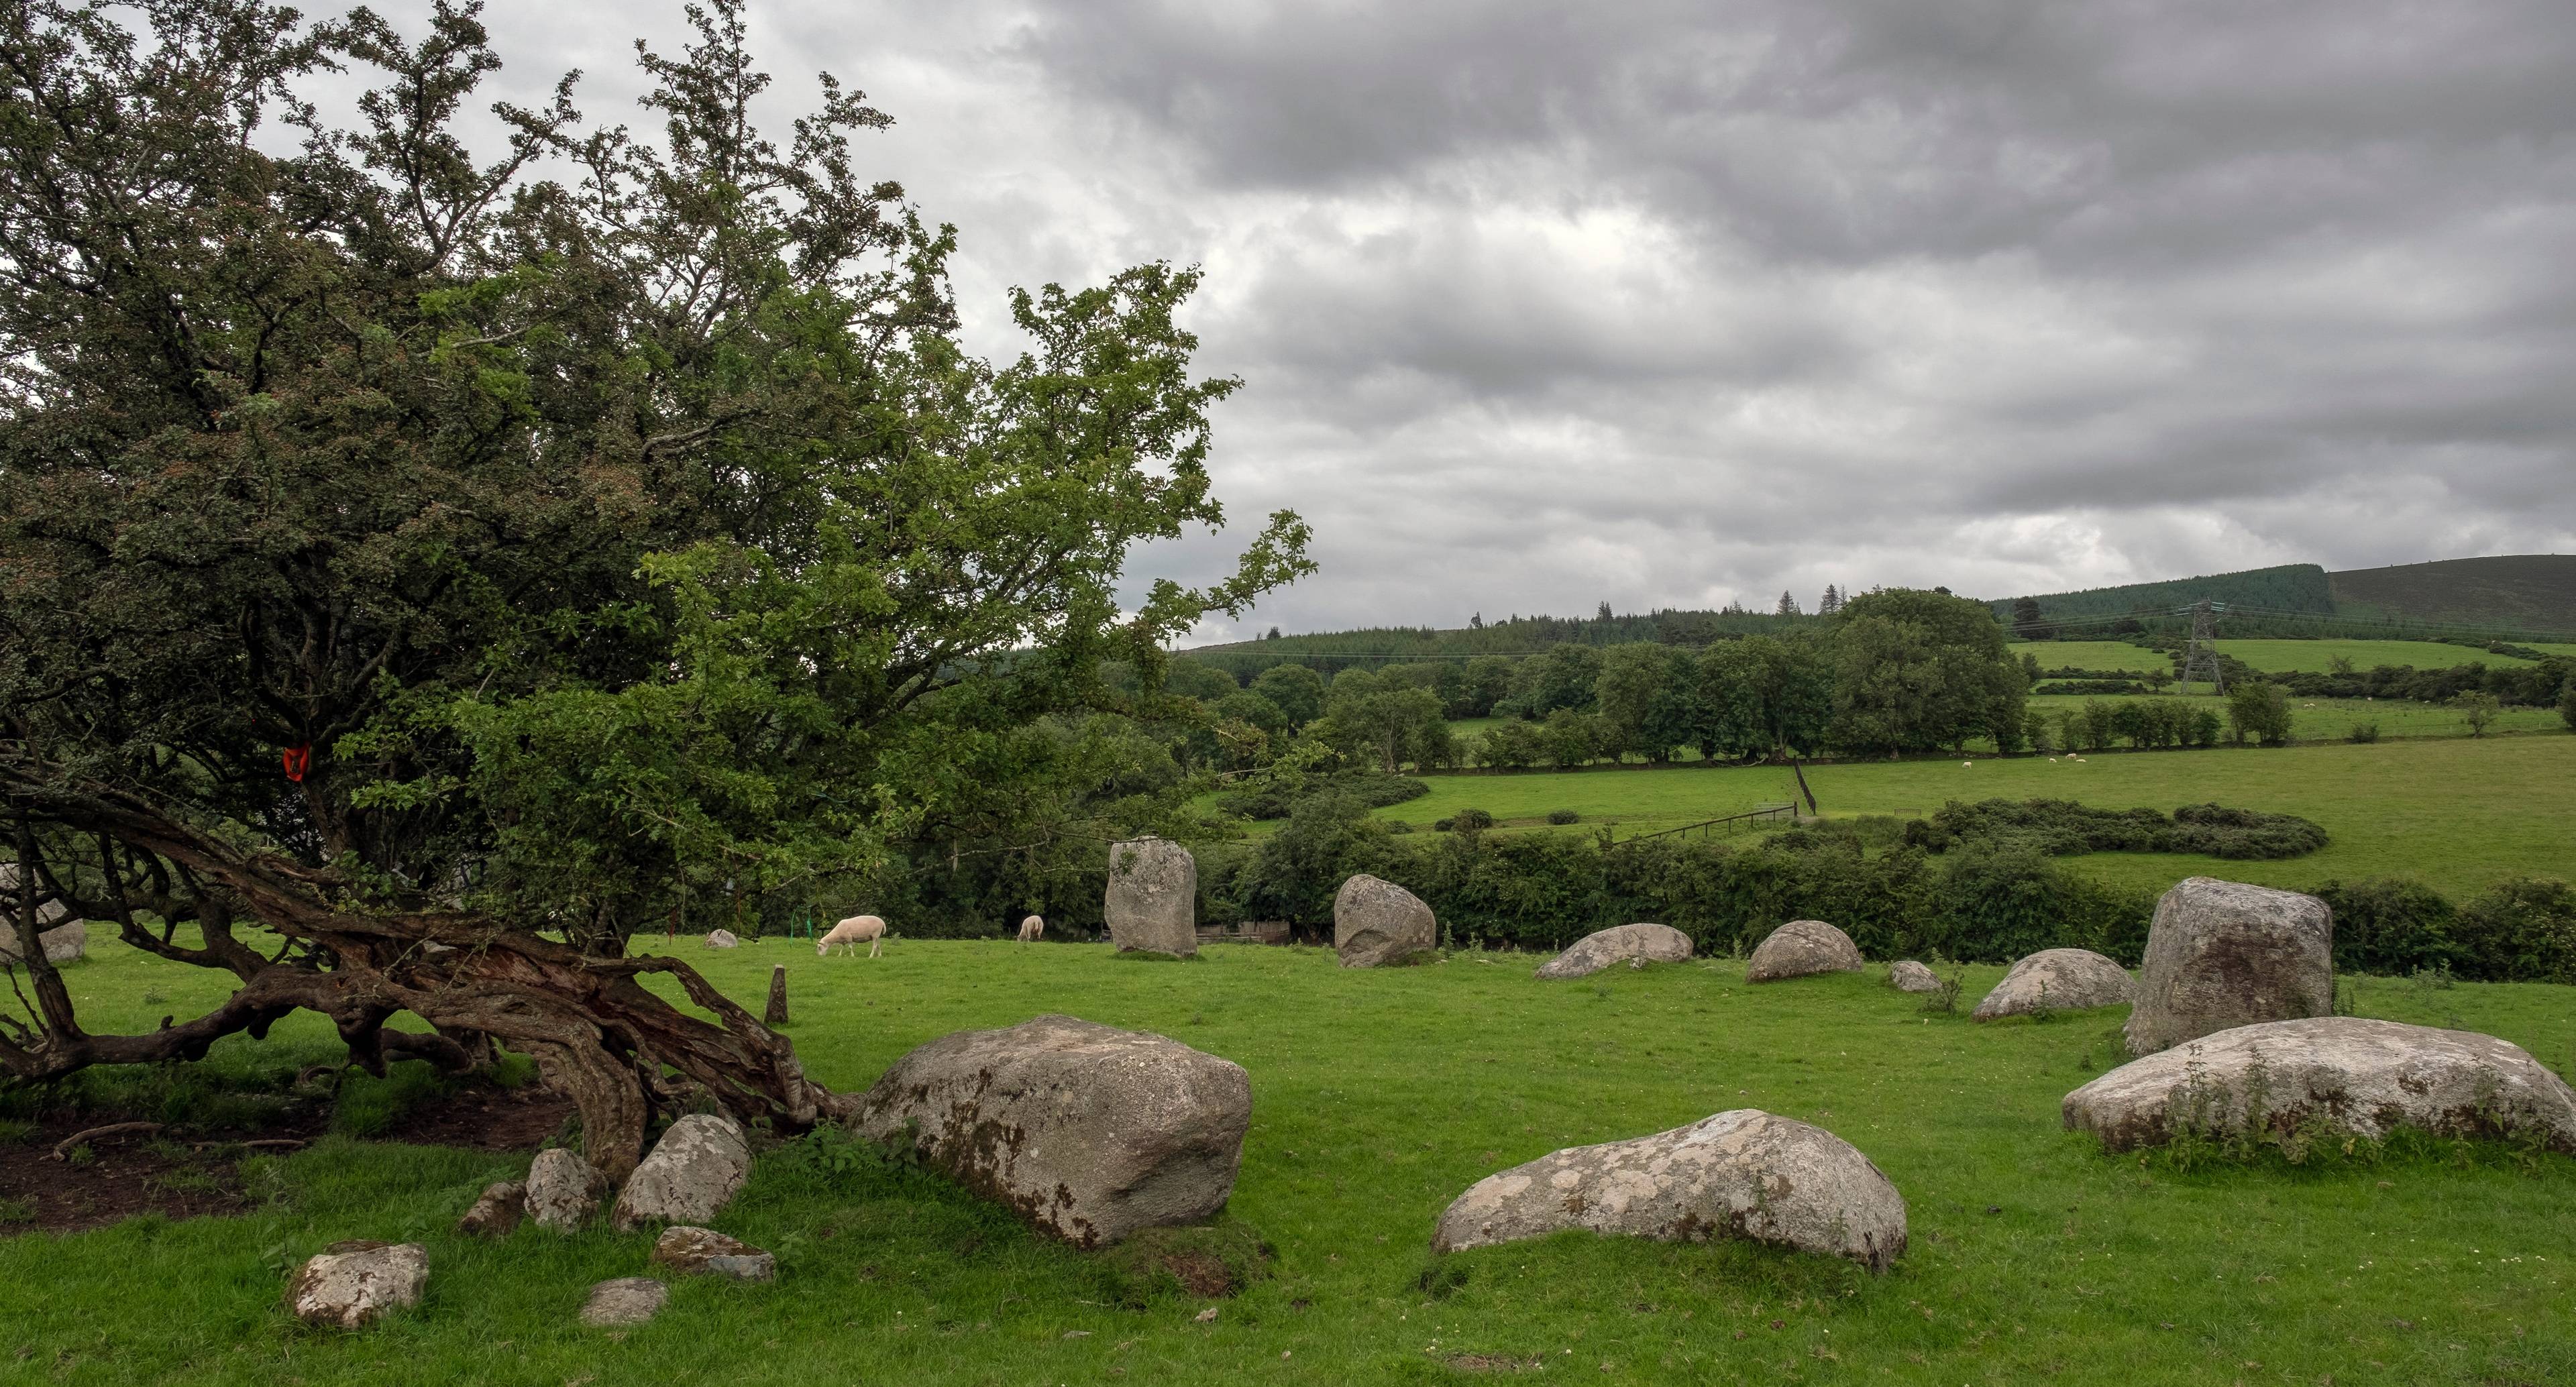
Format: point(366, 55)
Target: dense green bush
point(2063, 828)
point(1273, 799)
point(2390, 927)
point(1562, 816)
point(2523, 930)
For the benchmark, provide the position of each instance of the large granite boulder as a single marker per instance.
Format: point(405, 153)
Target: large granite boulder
point(2222, 954)
point(624, 1303)
point(1740, 1174)
point(722, 939)
point(355, 1283)
point(2057, 980)
point(2351, 1073)
point(1803, 948)
point(706, 1252)
point(1153, 899)
point(1906, 975)
point(63, 943)
point(1378, 922)
point(1598, 950)
point(563, 1191)
point(1087, 1132)
point(692, 1173)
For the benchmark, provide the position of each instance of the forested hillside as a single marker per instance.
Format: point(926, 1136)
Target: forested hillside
point(2530, 591)
point(2297, 587)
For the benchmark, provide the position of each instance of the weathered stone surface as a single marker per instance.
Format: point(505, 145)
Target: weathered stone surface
point(1803, 948)
point(693, 1172)
point(628, 1300)
point(1598, 950)
point(1378, 922)
point(563, 1191)
point(1739, 1174)
point(1153, 899)
point(1909, 976)
point(2057, 980)
point(1089, 1133)
point(2222, 954)
point(63, 943)
point(706, 1252)
point(2354, 1074)
point(354, 1283)
point(722, 939)
point(498, 1211)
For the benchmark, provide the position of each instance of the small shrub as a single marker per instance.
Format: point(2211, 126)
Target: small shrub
point(1470, 820)
point(1563, 816)
point(16, 1211)
point(2363, 733)
point(1943, 1000)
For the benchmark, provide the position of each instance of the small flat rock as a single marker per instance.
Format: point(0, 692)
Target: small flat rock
point(1152, 901)
point(694, 1171)
point(1743, 1173)
point(1800, 949)
point(722, 939)
point(2222, 954)
point(706, 1252)
point(2057, 980)
point(497, 1211)
point(1634, 943)
point(562, 1190)
point(351, 1284)
point(1086, 1132)
point(628, 1300)
point(1909, 976)
point(2355, 1074)
point(1376, 922)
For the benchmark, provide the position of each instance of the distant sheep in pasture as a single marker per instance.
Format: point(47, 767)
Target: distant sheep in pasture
point(852, 932)
point(1031, 928)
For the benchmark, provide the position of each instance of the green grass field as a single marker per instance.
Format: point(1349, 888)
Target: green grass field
point(1378, 1097)
point(2274, 655)
point(2332, 719)
point(2456, 812)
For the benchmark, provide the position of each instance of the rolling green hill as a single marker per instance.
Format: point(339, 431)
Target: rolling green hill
point(2530, 591)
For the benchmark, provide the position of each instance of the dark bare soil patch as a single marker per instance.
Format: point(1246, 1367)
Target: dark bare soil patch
point(184, 1171)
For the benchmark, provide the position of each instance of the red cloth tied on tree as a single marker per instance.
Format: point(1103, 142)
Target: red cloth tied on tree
point(298, 759)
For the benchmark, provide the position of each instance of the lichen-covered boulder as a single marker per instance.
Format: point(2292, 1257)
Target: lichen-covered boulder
point(2057, 980)
point(497, 1211)
point(2222, 954)
point(63, 943)
point(693, 1172)
point(1087, 1132)
point(706, 1252)
point(722, 939)
point(2350, 1073)
point(1739, 1174)
point(1378, 922)
point(1906, 975)
point(624, 1302)
point(563, 1191)
point(1598, 950)
point(1153, 899)
point(352, 1284)
point(1803, 948)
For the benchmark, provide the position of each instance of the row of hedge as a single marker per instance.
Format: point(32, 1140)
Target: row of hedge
point(1983, 903)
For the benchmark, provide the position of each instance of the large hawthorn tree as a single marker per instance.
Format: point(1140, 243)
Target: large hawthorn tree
point(422, 567)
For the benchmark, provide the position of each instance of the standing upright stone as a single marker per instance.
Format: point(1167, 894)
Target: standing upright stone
point(776, 1014)
point(1377, 922)
point(2222, 954)
point(562, 1191)
point(1153, 900)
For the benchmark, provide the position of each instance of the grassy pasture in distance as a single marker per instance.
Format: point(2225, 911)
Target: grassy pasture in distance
point(2459, 813)
point(1378, 1097)
point(2332, 719)
point(2273, 656)
point(2101, 655)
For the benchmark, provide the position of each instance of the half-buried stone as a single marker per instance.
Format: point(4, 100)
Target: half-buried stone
point(1376, 923)
point(356, 1283)
point(1803, 948)
point(1739, 1174)
point(2057, 980)
point(1087, 1132)
point(2222, 954)
point(1906, 975)
point(2350, 1073)
point(706, 1252)
point(1598, 950)
point(694, 1171)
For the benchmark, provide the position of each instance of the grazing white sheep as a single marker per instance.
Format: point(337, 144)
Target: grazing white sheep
point(1031, 928)
point(1965, 764)
point(2052, 760)
point(852, 932)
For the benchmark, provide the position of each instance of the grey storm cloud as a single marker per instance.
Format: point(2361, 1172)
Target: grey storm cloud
point(1539, 305)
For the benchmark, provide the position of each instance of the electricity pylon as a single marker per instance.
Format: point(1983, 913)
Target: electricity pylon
point(2201, 656)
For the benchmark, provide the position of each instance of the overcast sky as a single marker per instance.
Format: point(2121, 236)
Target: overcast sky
point(1542, 305)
